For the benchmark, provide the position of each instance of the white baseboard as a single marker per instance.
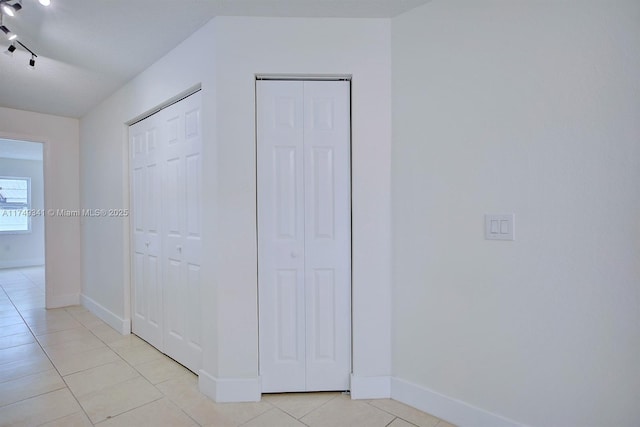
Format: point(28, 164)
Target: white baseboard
point(370, 387)
point(230, 389)
point(17, 263)
point(119, 324)
point(454, 411)
point(57, 301)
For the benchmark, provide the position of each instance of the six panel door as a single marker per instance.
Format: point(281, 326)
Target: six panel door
point(304, 235)
point(166, 210)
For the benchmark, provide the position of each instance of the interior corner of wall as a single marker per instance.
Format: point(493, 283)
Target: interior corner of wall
point(378, 387)
point(228, 390)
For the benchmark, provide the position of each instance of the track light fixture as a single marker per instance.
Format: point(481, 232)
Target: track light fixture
point(8, 33)
point(10, 7)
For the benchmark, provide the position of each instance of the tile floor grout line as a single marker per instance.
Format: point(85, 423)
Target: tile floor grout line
point(141, 376)
point(47, 356)
point(62, 377)
point(259, 415)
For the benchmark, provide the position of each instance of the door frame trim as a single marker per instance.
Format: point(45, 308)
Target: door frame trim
point(307, 77)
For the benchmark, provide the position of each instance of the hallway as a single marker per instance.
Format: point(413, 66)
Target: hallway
point(65, 367)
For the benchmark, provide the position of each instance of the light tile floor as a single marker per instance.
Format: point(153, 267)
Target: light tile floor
point(65, 367)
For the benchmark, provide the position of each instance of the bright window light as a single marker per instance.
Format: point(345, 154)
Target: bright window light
point(15, 202)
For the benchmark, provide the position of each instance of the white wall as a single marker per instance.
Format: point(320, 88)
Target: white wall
point(25, 249)
point(530, 107)
point(224, 57)
point(359, 47)
point(105, 170)
point(62, 234)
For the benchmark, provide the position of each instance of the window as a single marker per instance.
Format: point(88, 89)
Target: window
point(15, 205)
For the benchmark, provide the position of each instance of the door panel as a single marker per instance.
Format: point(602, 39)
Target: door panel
point(166, 210)
point(147, 285)
point(327, 196)
point(182, 236)
point(281, 236)
point(304, 235)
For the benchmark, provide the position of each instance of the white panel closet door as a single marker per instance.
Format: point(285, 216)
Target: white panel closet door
point(182, 230)
point(327, 198)
point(146, 163)
point(166, 209)
point(304, 235)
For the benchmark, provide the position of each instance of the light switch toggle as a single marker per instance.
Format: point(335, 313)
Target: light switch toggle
point(499, 227)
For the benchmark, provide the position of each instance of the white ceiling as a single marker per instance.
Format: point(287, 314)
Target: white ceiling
point(89, 48)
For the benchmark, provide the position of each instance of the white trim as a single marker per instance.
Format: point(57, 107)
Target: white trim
point(311, 77)
point(57, 301)
point(370, 387)
point(119, 324)
point(454, 411)
point(169, 102)
point(18, 263)
point(230, 389)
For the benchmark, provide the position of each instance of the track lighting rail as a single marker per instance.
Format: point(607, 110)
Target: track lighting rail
point(10, 8)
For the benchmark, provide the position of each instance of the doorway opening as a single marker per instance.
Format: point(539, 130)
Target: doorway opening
point(22, 222)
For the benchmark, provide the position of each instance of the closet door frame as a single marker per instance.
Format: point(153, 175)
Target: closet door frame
point(311, 157)
point(156, 115)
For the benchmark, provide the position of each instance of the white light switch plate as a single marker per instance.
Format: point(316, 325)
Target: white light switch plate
point(499, 227)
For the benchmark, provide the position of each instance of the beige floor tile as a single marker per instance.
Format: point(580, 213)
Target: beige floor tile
point(138, 354)
point(106, 333)
point(183, 391)
point(29, 386)
point(94, 379)
point(19, 328)
point(406, 412)
point(20, 293)
point(162, 369)
point(40, 315)
point(79, 419)
point(82, 361)
point(399, 422)
point(29, 302)
point(14, 340)
point(13, 319)
point(207, 412)
point(48, 326)
point(160, 413)
point(342, 411)
point(445, 424)
point(119, 398)
point(62, 337)
point(39, 410)
point(272, 418)
point(75, 308)
point(70, 348)
point(299, 404)
point(20, 352)
point(87, 318)
point(126, 341)
point(24, 367)
point(8, 310)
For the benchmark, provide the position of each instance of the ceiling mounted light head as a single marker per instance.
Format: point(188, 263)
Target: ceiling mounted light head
point(45, 2)
point(11, 9)
point(10, 49)
point(32, 61)
point(8, 33)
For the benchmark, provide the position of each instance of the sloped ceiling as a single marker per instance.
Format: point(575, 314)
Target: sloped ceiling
point(87, 49)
